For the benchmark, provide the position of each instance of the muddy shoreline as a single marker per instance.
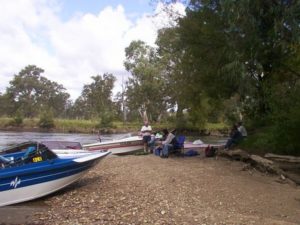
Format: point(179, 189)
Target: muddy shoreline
point(178, 190)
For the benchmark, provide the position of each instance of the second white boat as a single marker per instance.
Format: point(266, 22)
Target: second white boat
point(120, 146)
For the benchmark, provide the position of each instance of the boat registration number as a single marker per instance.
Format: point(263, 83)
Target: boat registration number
point(37, 159)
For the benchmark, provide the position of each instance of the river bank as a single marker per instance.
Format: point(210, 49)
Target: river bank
point(151, 190)
point(92, 126)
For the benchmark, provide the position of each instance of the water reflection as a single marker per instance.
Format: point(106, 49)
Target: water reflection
point(8, 138)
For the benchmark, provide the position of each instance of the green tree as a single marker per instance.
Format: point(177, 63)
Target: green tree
point(245, 53)
point(79, 109)
point(95, 99)
point(184, 91)
point(120, 108)
point(29, 92)
point(240, 47)
point(145, 88)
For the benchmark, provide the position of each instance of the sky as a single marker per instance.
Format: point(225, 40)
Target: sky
point(73, 40)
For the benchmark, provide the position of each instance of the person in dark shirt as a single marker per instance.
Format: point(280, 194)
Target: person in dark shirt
point(235, 136)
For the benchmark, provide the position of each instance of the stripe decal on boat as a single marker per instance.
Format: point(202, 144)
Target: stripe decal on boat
point(47, 175)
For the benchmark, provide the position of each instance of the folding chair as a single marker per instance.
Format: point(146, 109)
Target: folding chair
point(179, 145)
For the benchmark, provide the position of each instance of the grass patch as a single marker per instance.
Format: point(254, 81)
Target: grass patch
point(215, 126)
point(74, 126)
point(259, 142)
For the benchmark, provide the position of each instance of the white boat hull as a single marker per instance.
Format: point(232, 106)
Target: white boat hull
point(122, 146)
point(71, 153)
point(36, 191)
point(28, 181)
point(124, 150)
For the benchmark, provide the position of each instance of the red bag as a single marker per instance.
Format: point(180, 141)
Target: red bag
point(210, 151)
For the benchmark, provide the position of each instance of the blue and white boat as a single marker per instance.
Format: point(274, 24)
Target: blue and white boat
point(36, 172)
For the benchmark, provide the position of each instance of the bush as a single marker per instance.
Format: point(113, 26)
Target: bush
point(281, 137)
point(16, 121)
point(46, 120)
point(286, 121)
point(286, 132)
point(106, 121)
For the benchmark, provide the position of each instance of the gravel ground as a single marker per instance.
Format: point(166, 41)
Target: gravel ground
point(150, 190)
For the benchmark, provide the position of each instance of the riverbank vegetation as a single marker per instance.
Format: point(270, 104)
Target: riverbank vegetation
point(222, 62)
point(92, 126)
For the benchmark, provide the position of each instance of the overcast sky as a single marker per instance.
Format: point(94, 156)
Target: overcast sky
point(73, 40)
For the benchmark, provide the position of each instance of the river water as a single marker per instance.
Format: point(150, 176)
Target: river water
point(9, 138)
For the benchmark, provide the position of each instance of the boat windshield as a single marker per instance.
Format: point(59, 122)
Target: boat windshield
point(18, 147)
point(27, 152)
point(4, 160)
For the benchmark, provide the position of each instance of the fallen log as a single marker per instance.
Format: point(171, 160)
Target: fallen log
point(286, 162)
point(283, 158)
point(263, 164)
point(236, 154)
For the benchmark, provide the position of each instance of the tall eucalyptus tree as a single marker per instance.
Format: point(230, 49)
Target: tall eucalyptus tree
point(145, 87)
point(96, 97)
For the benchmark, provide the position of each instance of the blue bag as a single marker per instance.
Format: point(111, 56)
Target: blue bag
point(191, 152)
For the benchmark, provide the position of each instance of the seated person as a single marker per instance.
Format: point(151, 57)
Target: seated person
point(242, 129)
point(151, 143)
point(156, 139)
point(167, 144)
point(235, 136)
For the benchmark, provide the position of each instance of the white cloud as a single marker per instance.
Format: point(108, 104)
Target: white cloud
point(70, 51)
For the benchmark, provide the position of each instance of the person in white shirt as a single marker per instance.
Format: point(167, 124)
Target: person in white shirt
point(242, 129)
point(146, 134)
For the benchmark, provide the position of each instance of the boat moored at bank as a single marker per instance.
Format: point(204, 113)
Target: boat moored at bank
point(36, 172)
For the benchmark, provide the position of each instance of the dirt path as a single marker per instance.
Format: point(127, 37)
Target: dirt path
point(151, 190)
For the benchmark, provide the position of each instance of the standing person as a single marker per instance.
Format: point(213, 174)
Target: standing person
point(146, 134)
point(242, 129)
